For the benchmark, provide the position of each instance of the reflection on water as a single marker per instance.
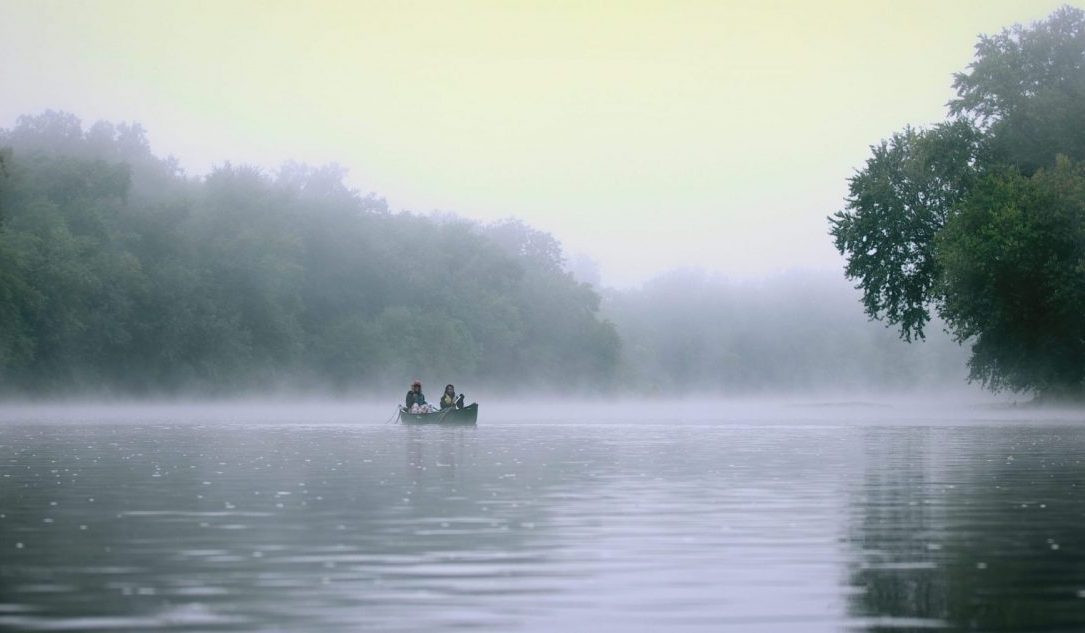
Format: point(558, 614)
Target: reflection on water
point(541, 525)
point(980, 529)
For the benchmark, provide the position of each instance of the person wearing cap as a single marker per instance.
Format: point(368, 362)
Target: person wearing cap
point(415, 398)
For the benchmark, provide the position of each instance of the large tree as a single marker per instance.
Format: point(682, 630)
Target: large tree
point(979, 218)
point(1014, 278)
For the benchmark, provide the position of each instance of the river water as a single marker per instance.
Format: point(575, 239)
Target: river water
point(660, 518)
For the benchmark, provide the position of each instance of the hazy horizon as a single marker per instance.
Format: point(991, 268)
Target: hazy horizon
point(702, 144)
point(728, 315)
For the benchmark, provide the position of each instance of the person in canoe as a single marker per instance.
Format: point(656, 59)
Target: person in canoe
point(449, 399)
point(416, 401)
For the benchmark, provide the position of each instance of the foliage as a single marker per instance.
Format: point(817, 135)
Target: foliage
point(1014, 257)
point(1026, 87)
point(896, 206)
point(956, 217)
point(118, 272)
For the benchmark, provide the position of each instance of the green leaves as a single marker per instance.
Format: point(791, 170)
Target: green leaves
point(1014, 278)
point(895, 207)
point(1027, 89)
point(981, 217)
point(118, 272)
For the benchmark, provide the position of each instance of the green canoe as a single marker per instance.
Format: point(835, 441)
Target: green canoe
point(466, 415)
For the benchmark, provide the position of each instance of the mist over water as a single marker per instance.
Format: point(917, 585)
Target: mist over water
point(128, 277)
point(728, 349)
point(714, 515)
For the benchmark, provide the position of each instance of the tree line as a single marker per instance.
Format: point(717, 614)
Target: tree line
point(119, 272)
point(689, 333)
point(980, 220)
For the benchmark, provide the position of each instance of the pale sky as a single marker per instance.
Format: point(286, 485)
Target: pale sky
point(647, 135)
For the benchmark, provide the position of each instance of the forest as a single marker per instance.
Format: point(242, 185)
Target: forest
point(120, 274)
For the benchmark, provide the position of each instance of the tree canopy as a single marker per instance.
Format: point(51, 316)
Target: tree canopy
point(978, 218)
point(117, 271)
point(120, 273)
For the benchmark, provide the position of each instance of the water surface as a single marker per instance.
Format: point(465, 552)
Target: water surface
point(732, 518)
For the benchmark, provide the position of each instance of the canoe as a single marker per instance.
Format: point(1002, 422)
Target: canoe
point(466, 415)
